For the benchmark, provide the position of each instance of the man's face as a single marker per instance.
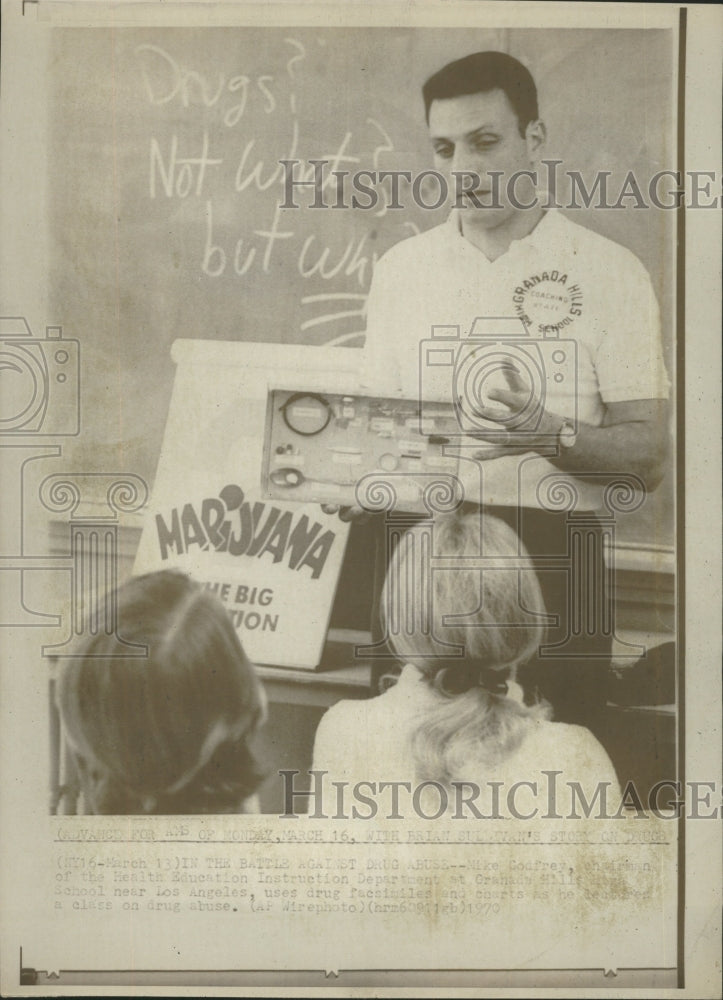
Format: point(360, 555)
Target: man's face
point(480, 133)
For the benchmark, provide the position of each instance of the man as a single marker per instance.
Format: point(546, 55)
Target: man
point(596, 386)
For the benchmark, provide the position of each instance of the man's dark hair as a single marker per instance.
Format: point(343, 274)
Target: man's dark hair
point(482, 72)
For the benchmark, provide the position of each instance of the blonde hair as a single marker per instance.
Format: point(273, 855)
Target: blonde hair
point(165, 731)
point(467, 622)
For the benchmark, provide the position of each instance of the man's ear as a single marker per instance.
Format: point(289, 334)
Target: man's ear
point(535, 136)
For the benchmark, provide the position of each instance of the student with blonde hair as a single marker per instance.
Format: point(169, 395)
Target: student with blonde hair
point(464, 624)
point(160, 721)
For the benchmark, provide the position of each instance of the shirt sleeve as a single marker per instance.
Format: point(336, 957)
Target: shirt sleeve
point(629, 360)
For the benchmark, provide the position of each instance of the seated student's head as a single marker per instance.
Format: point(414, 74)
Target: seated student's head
point(487, 605)
point(166, 732)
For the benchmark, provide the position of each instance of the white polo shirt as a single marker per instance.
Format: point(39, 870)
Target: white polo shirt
point(578, 305)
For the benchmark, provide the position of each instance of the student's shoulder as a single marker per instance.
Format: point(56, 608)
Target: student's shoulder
point(349, 714)
point(345, 730)
point(341, 714)
point(336, 724)
point(566, 737)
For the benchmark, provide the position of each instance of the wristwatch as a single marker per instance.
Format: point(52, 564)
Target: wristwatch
point(567, 435)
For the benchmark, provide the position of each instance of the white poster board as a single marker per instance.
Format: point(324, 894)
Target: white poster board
point(275, 565)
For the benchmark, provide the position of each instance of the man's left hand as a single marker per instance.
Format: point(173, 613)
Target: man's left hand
point(516, 398)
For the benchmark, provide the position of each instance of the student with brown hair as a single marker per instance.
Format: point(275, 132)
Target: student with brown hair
point(166, 731)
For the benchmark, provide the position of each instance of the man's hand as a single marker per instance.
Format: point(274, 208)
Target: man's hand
point(633, 436)
point(516, 398)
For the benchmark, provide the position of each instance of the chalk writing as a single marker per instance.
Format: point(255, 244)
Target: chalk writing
point(243, 227)
point(166, 80)
point(177, 173)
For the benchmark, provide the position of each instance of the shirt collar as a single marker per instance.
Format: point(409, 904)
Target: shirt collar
point(532, 239)
point(410, 675)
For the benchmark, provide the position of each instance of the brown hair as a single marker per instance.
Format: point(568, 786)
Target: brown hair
point(481, 72)
point(165, 731)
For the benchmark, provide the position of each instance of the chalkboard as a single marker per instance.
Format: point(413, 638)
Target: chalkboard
point(165, 189)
